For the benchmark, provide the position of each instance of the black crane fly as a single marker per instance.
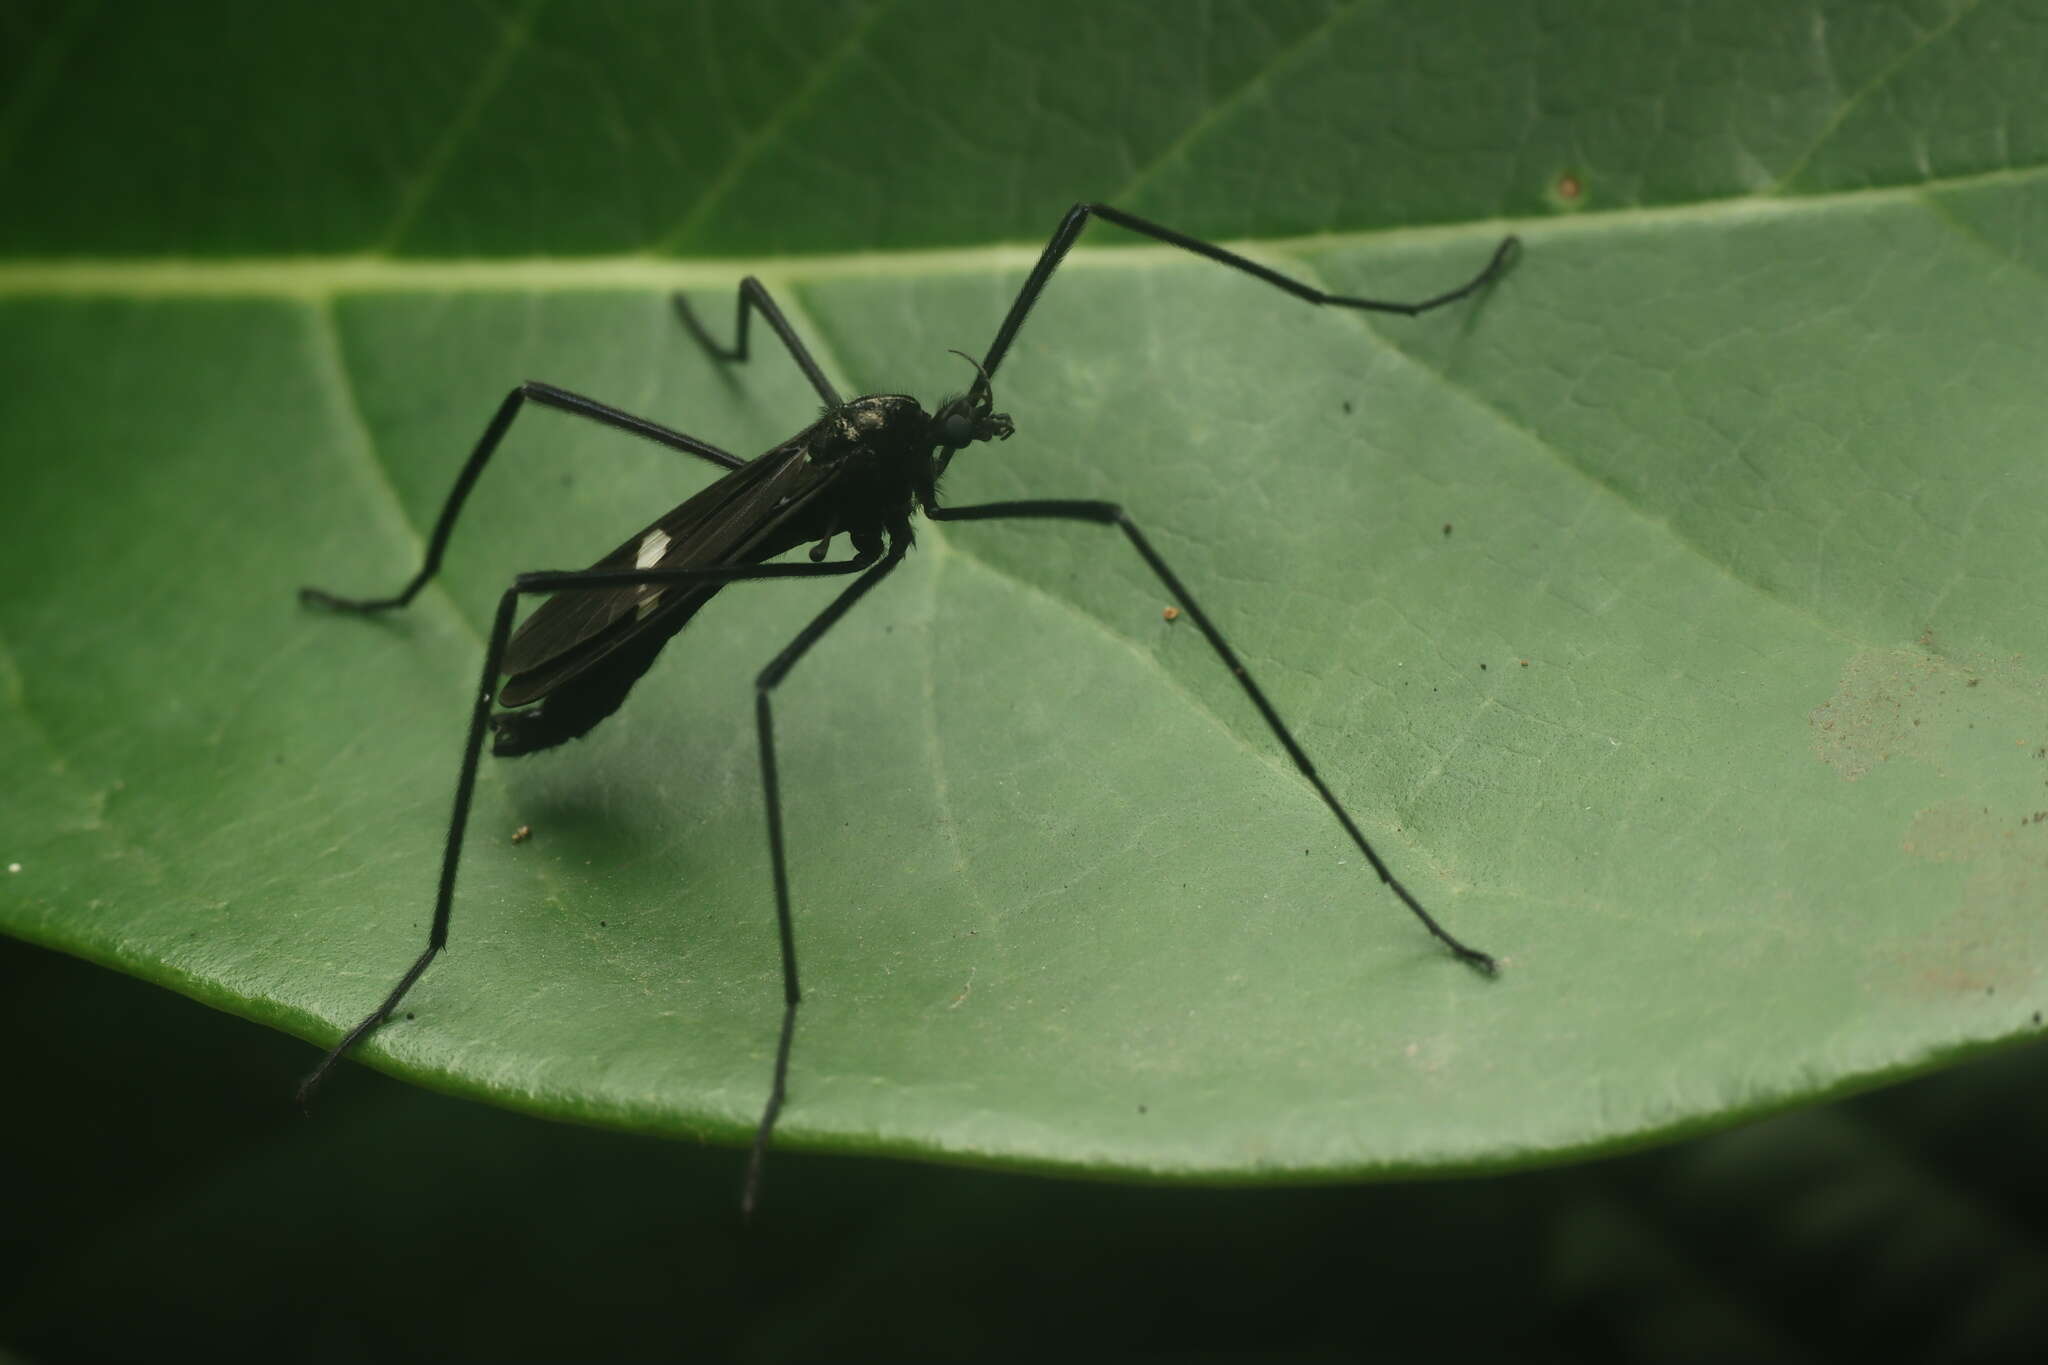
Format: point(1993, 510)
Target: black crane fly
point(857, 470)
point(861, 470)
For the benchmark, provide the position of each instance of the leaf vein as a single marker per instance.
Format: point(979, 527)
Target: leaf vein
point(1215, 111)
point(517, 35)
point(757, 143)
point(1857, 98)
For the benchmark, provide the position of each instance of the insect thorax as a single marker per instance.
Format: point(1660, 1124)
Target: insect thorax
point(889, 428)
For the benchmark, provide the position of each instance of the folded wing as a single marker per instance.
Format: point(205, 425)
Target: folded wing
point(743, 518)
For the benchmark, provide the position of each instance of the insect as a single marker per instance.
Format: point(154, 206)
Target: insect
point(861, 470)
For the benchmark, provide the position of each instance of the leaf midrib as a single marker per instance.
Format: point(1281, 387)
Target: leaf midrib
point(323, 277)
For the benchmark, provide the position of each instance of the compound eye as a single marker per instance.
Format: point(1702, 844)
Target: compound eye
point(956, 429)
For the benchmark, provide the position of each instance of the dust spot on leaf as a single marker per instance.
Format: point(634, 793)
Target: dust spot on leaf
point(1955, 831)
point(1995, 934)
point(1894, 704)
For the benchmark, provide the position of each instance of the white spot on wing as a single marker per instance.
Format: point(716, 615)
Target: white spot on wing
point(652, 547)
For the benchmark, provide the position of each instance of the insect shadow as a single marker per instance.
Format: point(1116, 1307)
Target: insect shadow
point(862, 470)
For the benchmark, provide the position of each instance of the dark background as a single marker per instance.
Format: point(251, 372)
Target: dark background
point(166, 1198)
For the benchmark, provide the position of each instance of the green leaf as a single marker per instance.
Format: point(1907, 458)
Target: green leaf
point(1718, 712)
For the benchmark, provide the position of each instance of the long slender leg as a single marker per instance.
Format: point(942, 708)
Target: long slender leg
point(766, 683)
point(1077, 218)
point(548, 396)
point(1109, 514)
point(479, 721)
point(754, 297)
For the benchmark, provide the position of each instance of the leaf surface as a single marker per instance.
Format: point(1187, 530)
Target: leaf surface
point(1670, 616)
